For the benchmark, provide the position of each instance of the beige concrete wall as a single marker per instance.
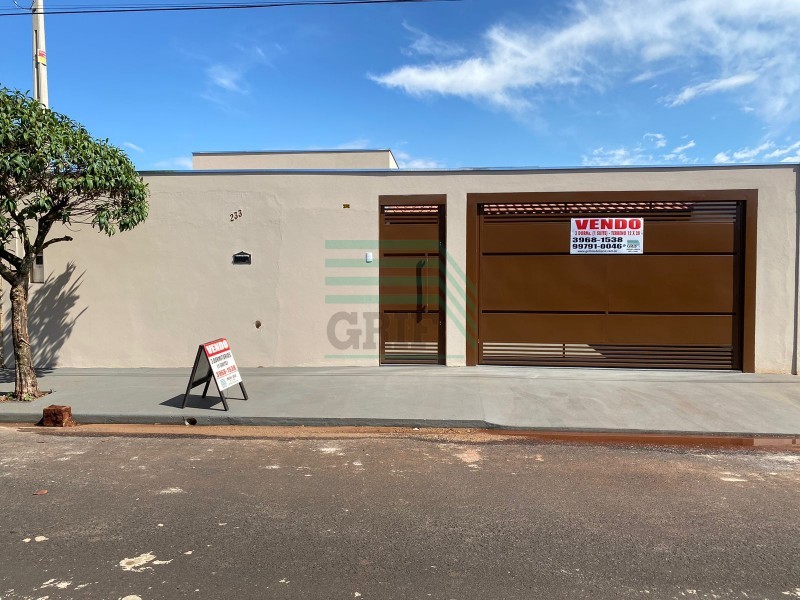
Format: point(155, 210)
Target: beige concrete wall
point(327, 159)
point(148, 297)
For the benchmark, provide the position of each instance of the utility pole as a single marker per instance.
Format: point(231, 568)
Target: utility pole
point(39, 55)
point(40, 94)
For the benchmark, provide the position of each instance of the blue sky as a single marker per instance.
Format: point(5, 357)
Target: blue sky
point(476, 83)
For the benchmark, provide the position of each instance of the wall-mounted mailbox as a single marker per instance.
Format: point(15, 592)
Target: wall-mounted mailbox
point(242, 258)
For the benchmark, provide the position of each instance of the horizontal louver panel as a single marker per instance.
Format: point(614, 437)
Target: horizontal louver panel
point(718, 212)
point(410, 352)
point(602, 355)
point(410, 215)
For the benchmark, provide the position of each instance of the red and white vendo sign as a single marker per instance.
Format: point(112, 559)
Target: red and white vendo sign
point(224, 368)
point(607, 235)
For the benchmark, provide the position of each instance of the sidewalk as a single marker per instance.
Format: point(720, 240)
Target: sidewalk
point(601, 400)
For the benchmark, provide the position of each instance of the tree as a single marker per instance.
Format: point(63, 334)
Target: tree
point(53, 172)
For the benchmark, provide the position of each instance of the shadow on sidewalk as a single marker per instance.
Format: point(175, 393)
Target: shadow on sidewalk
point(196, 401)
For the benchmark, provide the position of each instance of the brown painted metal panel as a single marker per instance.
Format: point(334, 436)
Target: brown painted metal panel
point(543, 328)
point(679, 305)
point(656, 284)
point(411, 282)
point(560, 283)
point(681, 330)
point(502, 237)
point(411, 327)
point(675, 330)
point(409, 231)
point(709, 238)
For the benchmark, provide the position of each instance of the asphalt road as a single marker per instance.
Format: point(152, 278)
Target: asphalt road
point(381, 518)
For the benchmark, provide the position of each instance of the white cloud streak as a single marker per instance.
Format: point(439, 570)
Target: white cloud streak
point(609, 42)
point(425, 44)
point(685, 147)
point(763, 153)
point(749, 154)
point(645, 153)
point(712, 87)
point(406, 161)
point(133, 146)
point(722, 158)
point(657, 138)
point(782, 151)
point(231, 74)
point(617, 157)
point(227, 77)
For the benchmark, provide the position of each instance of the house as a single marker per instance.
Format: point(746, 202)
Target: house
point(340, 258)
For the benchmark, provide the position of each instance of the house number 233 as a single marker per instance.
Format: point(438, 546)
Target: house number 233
point(237, 214)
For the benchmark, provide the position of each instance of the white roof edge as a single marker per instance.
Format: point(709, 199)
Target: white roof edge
point(329, 151)
point(474, 170)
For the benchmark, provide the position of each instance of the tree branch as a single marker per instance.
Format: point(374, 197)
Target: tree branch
point(66, 238)
point(23, 230)
point(7, 274)
point(12, 259)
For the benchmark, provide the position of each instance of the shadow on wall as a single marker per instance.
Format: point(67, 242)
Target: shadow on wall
point(50, 320)
point(50, 316)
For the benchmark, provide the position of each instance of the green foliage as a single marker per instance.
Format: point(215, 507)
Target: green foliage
point(51, 171)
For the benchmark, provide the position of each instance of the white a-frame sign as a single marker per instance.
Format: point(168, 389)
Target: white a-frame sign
point(214, 361)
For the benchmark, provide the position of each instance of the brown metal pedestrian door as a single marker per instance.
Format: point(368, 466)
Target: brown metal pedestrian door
point(677, 305)
point(412, 284)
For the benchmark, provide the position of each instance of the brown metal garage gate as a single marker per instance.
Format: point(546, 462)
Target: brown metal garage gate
point(679, 304)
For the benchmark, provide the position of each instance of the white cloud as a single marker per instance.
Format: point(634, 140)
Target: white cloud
point(617, 157)
point(230, 72)
point(406, 161)
point(649, 75)
point(685, 147)
point(425, 44)
point(761, 153)
point(748, 154)
point(737, 46)
point(658, 138)
point(712, 87)
point(678, 154)
point(133, 146)
point(640, 155)
point(722, 158)
point(179, 162)
point(227, 77)
point(781, 151)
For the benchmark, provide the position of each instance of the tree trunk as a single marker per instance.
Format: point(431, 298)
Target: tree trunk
point(26, 386)
point(2, 331)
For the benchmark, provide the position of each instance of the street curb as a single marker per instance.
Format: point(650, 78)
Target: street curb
point(572, 434)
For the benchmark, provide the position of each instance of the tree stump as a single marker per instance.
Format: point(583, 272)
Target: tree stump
point(57, 416)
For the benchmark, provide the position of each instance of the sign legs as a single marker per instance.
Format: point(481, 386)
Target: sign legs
point(203, 372)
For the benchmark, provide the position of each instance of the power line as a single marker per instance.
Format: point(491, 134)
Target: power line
point(132, 8)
